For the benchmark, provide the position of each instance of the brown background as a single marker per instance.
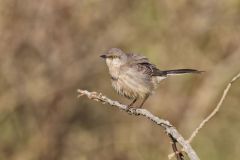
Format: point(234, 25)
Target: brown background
point(50, 48)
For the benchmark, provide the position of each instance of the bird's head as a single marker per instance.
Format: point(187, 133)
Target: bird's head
point(115, 57)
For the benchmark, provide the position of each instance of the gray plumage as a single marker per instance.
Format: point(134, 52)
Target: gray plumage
point(133, 76)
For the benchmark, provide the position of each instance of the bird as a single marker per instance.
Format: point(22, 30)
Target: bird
point(134, 76)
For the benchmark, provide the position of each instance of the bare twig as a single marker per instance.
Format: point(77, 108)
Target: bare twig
point(195, 132)
point(169, 129)
point(216, 108)
point(178, 154)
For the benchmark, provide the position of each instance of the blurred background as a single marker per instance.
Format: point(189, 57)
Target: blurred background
point(49, 49)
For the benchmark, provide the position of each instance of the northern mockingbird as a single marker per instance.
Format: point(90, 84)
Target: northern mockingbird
point(133, 76)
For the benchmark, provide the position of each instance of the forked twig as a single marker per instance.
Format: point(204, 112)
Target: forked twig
point(178, 154)
point(216, 109)
point(169, 129)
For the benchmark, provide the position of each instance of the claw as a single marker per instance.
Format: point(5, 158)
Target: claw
point(132, 110)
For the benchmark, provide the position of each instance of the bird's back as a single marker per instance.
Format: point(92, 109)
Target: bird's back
point(135, 77)
point(143, 65)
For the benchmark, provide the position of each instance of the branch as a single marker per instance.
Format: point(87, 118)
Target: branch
point(169, 128)
point(211, 115)
point(215, 110)
point(178, 154)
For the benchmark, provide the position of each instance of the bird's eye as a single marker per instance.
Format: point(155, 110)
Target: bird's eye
point(112, 56)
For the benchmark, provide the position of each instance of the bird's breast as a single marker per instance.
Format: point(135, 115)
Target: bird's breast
point(131, 86)
point(124, 90)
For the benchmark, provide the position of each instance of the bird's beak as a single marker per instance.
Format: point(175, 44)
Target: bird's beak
point(103, 56)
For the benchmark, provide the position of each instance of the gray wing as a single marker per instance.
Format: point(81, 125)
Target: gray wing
point(143, 65)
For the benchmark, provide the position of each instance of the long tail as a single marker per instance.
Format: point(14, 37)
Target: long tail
point(180, 71)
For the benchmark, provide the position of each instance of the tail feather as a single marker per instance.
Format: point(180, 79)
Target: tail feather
point(180, 71)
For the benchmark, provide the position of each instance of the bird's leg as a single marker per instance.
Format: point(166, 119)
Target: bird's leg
point(130, 105)
point(144, 100)
point(133, 110)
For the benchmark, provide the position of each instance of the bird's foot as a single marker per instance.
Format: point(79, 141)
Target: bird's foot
point(132, 110)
